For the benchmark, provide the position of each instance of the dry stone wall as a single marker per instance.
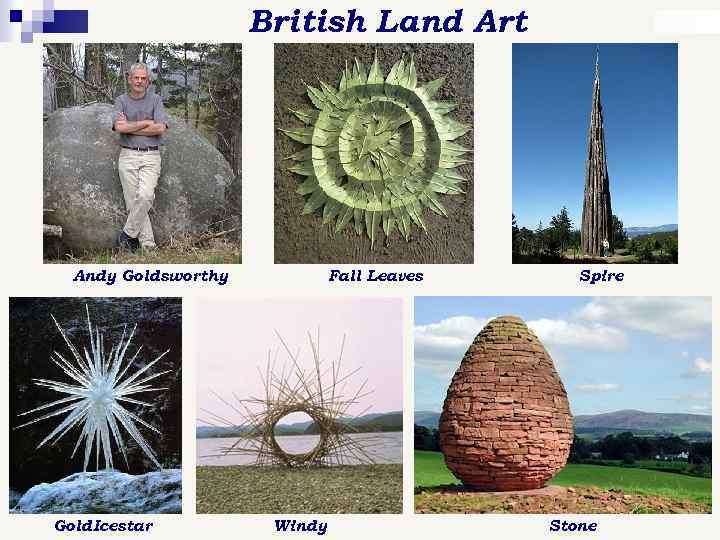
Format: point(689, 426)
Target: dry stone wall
point(506, 421)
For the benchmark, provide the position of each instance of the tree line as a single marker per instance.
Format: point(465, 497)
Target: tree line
point(561, 240)
point(654, 248)
point(628, 447)
point(199, 82)
point(623, 446)
point(557, 240)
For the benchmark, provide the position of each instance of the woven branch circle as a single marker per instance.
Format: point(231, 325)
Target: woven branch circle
point(307, 458)
point(379, 150)
point(322, 392)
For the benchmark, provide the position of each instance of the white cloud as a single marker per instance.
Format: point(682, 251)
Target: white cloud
point(559, 333)
point(669, 316)
point(689, 396)
point(699, 367)
point(601, 387)
point(702, 366)
point(440, 346)
point(697, 402)
point(698, 409)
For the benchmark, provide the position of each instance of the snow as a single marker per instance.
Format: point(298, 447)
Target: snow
point(109, 491)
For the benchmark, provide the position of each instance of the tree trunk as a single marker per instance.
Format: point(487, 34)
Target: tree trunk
point(61, 54)
point(185, 73)
point(130, 55)
point(159, 71)
point(198, 89)
point(95, 66)
point(226, 98)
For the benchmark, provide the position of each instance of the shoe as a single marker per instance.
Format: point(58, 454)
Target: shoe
point(125, 241)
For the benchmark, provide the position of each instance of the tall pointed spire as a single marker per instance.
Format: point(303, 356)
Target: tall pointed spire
point(597, 212)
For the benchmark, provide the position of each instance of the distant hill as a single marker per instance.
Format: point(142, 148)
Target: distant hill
point(370, 423)
point(302, 426)
point(385, 422)
point(639, 422)
point(658, 236)
point(428, 419)
point(632, 420)
point(390, 421)
point(632, 232)
point(206, 432)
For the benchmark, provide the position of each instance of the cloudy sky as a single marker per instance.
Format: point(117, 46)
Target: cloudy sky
point(234, 338)
point(612, 353)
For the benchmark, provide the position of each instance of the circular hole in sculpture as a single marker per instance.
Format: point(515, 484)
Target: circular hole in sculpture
point(297, 434)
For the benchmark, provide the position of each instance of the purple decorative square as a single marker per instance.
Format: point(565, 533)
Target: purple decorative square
point(16, 15)
point(26, 37)
point(43, 16)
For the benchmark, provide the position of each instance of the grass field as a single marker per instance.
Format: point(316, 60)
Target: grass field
point(430, 470)
point(353, 489)
point(218, 252)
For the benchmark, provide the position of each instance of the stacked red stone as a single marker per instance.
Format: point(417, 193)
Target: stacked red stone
point(506, 422)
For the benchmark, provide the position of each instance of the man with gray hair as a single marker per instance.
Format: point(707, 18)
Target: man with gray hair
point(139, 117)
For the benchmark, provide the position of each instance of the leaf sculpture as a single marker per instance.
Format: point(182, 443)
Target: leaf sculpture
point(102, 383)
point(379, 150)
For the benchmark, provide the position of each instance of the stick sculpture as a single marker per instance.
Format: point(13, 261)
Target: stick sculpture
point(320, 391)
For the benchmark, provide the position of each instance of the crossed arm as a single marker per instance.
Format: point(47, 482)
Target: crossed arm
point(149, 128)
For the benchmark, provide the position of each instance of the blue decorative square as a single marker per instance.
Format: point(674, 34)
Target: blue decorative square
point(16, 15)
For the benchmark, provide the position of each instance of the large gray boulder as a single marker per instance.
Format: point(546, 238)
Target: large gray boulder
point(82, 191)
point(107, 492)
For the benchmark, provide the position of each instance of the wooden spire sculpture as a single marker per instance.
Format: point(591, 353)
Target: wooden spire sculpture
point(506, 422)
point(597, 213)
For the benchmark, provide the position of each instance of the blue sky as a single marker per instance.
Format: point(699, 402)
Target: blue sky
point(612, 353)
point(552, 98)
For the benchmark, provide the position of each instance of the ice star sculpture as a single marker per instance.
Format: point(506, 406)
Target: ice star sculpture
point(96, 396)
point(380, 149)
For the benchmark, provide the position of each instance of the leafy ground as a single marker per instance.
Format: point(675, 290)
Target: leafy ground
point(569, 257)
point(355, 489)
point(214, 252)
point(592, 489)
point(621, 256)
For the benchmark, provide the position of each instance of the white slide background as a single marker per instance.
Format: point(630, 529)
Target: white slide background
point(693, 24)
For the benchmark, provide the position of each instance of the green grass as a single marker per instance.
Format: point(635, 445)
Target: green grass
point(354, 489)
point(643, 481)
point(430, 470)
point(678, 467)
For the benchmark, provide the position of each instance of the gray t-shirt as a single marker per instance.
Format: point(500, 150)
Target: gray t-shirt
point(149, 107)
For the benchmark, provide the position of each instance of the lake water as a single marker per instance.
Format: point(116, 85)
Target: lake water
point(385, 448)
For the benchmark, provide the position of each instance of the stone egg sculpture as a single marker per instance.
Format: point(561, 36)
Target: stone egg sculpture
point(506, 422)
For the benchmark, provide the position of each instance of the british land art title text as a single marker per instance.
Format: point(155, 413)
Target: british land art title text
point(307, 21)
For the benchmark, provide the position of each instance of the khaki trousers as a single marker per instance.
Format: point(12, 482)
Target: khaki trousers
point(139, 173)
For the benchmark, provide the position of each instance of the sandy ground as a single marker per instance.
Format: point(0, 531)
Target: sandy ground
point(302, 238)
point(559, 500)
